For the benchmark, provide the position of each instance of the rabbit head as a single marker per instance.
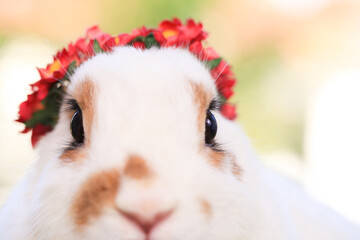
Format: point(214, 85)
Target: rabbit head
point(140, 151)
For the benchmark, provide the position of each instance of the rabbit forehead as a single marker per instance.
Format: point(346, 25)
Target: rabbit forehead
point(127, 67)
point(147, 98)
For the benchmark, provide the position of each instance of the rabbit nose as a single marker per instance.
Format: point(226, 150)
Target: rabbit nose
point(146, 207)
point(146, 224)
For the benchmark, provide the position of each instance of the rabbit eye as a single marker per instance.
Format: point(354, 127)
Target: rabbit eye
point(76, 127)
point(210, 127)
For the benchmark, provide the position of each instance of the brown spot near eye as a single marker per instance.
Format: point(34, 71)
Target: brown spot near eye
point(205, 207)
point(136, 168)
point(73, 155)
point(223, 160)
point(94, 194)
point(84, 93)
point(216, 158)
point(236, 170)
point(202, 98)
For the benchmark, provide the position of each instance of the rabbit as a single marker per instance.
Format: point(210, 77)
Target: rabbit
point(141, 152)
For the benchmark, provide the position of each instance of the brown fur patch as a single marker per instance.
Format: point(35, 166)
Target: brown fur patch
point(99, 190)
point(73, 155)
point(236, 170)
point(136, 168)
point(216, 158)
point(205, 207)
point(202, 99)
point(84, 94)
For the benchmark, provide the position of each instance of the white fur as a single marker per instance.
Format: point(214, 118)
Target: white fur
point(145, 107)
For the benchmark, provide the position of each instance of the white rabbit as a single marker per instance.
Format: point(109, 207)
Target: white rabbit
point(149, 166)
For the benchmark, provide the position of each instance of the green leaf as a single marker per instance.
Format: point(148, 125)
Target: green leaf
point(137, 39)
point(150, 41)
point(213, 63)
point(72, 67)
point(50, 114)
point(96, 46)
point(70, 71)
point(222, 99)
point(42, 117)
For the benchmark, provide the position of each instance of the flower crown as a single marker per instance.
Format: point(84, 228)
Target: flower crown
point(40, 111)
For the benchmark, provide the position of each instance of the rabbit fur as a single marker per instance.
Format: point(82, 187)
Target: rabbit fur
point(144, 153)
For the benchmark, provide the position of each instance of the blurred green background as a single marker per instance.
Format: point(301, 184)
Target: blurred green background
point(284, 54)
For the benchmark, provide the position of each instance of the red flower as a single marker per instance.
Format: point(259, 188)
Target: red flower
point(54, 71)
point(81, 45)
point(120, 40)
point(28, 107)
point(225, 85)
point(193, 31)
point(173, 25)
point(226, 92)
point(229, 111)
point(222, 69)
point(196, 48)
point(159, 37)
point(181, 35)
point(138, 44)
point(95, 33)
point(170, 30)
point(210, 54)
point(41, 88)
point(143, 31)
point(65, 57)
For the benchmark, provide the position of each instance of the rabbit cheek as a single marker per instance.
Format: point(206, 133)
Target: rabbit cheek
point(216, 159)
point(224, 161)
point(205, 208)
point(97, 192)
point(236, 170)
